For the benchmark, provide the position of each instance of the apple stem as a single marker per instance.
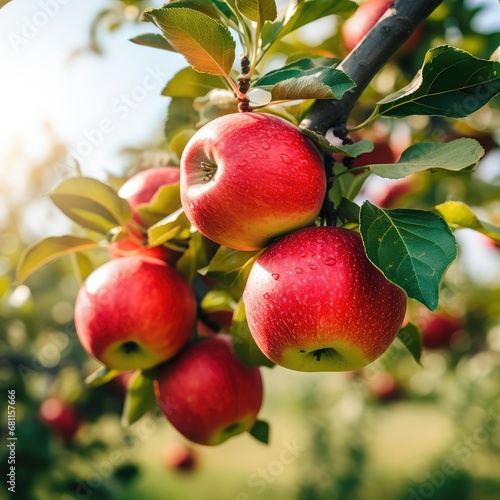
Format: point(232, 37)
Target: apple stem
point(243, 81)
point(209, 170)
point(318, 353)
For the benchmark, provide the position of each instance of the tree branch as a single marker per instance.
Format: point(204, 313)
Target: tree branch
point(364, 62)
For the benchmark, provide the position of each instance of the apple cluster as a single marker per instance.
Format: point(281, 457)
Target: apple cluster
point(313, 300)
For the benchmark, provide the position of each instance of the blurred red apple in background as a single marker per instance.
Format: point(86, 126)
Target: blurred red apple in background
point(362, 21)
point(60, 417)
point(438, 328)
point(180, 457)
point(384, 387)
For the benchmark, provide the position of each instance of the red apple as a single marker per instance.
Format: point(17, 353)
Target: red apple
point(134, 312)
point(215, 321)
point(129, 247)
point(141, 188)
point(438, 328)
point(314, 302)
point(60, 417)
point(207, 394)
point(365, 18)
point(247, 178)
point(180, 457)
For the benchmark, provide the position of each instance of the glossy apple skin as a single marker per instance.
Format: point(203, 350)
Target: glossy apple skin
point(315, 289)
point(60, 417)
point(438, 328)
point(207, 394)
point(363, 20)
point(138, 300)
point(267, 180)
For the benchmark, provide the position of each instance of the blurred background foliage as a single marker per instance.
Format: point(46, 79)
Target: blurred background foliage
point(394, 430)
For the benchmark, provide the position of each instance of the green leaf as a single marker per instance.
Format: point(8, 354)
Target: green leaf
point(270, 32)
point(217, 9)
point(165, 201)
point(260, 431)
point(346, 186)
point(350, 150)
point(175, 225)
point(413, 249)
point(101, 376)
point(140, 397)
point(217, 300)
point(451, 82)
point(181, 116)
point(258, 10)
point(197, 256)
point(205, 43)
point(230, 268)
point(458, 215)
point(301, 12)
point(244, 346)
point(348, 211)
point(82, 266)
point(412, 340)
point(190, 83)
point(154, 40)
point(292, 69)
point(457, 155)
point(47, 249)
point(316, 83)
point(91, 203)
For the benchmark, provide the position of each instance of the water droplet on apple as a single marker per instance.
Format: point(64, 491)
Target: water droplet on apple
point(267, 296)
point(299, 270)
point(251, 148)
point(254, 155)
point(265, 145)
point(331, 261)
point(276, 276)
point(286, 159)
point(312, 266)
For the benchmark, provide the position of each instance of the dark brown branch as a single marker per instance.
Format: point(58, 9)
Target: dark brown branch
point(367, 58)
